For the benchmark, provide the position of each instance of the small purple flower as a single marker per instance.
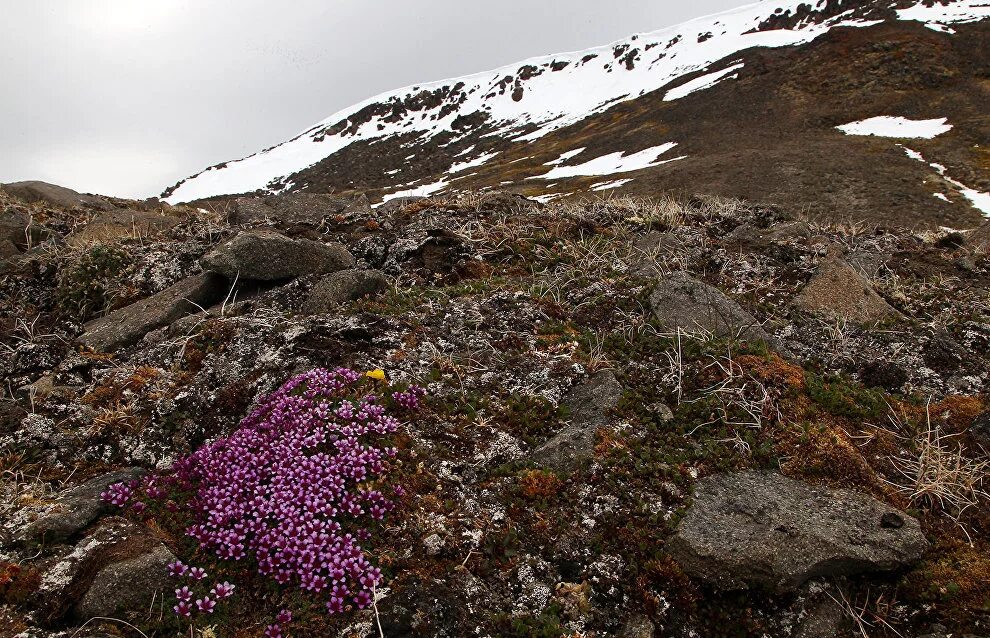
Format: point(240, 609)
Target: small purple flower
point(139, 507)
point(178, 568)
point(205, 604)
point(184, 594)
point(284, 617)
point(273, 631)
point(183, 609)
point(197, 573)
point(222, 590)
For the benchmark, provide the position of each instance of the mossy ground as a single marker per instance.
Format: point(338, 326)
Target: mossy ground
point(521, 306)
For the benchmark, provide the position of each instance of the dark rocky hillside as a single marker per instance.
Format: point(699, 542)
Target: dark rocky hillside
point(678, 416)
point(765, 130)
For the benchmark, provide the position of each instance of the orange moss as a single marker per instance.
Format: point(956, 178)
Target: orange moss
point(538, 485)
point(772, 370)
point(956, 579)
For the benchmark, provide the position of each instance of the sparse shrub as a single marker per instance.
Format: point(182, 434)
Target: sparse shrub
point(295, 491)
point(88, 287)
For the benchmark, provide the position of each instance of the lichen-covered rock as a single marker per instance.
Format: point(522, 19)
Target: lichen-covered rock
point(638, 626)
point(128, 584)
point(35, 191)
point(76, 509)
point(837, 291)
point(305, 209)
point(761, 529)
point(343, 286)
point(65, 580)
point(126, 326)
point(681, 301)
point(122, 223)
point(589, 405)
point(269, 256)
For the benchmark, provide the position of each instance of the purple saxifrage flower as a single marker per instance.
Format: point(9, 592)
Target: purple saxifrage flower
point(295, 488)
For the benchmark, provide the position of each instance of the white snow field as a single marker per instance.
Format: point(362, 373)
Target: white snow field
point(890, 126)
point(613, 163)
point(592, 81)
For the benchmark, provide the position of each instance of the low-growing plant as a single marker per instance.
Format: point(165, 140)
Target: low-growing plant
point(88, 287)
point(295, 493)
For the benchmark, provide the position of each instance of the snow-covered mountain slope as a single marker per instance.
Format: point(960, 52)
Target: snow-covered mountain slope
point(427, 137)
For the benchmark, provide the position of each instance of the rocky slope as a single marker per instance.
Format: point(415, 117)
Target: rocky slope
point(743, 104)
point(677, 417)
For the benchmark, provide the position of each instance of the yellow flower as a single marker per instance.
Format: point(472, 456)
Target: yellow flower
point(377, 374)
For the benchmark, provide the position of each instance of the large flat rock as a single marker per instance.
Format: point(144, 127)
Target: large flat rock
point(122, 223)
point(128, 325)
point(76, 508)
point(761, 529)
point(682, 302)
point(304, 209)
point(268, 256)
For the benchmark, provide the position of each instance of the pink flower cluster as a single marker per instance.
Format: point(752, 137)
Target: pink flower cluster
point(293, 489)
point(119, 493)
point(184, 603)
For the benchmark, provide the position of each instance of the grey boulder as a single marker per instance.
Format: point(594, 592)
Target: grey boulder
point(269, 256)
point(126, 326)
point(76, 509)
point(306, 209)
point(343, 286)
point(589, 405)
point(122, 223)
point(681, 301)
point(762, 529)
point(837, 291)
point(127, 585)
point(35, 191)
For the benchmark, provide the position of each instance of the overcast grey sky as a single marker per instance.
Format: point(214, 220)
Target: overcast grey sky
point(125, 97)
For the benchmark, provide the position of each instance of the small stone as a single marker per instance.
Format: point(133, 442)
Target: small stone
point(343, 286)
point(638, 626)
point(433, 544)
point(683, 302)
point(589, 405)
point(826, 619)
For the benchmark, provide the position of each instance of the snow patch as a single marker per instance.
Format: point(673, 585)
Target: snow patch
point(613, 163)
point(478, 161)
point(979, 200)
point(420, 191)
point(700, 83)
point(890, 126)
point(938, 16)
point(604, 186)
point(565, 156)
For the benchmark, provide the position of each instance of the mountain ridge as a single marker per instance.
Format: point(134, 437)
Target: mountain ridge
point(448, 126)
